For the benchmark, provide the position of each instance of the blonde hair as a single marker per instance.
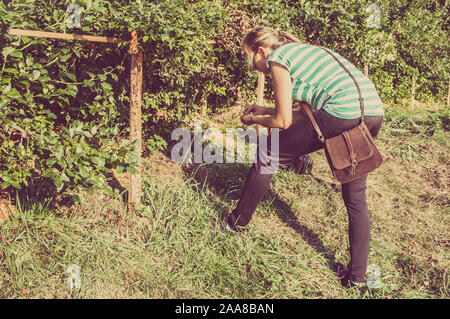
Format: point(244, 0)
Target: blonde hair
point(264, 37)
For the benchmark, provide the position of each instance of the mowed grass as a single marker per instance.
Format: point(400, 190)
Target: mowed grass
point(172, 246)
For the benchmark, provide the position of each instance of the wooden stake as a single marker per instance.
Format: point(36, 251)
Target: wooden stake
point(366, 70)
point(413, 91)
point(64, 36)
point(260, 94)
point(135, 191)
point(260, 89)
point(448, 94)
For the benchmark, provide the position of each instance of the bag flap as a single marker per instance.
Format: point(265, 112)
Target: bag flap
point(338, 148)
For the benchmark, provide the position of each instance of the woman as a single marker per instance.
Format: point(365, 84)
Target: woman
point(308, 73)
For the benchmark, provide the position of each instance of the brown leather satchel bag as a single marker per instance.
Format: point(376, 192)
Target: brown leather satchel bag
point(352, 153)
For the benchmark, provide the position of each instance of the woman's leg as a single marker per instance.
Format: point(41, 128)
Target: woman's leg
point(354, 195)
point(299, 139)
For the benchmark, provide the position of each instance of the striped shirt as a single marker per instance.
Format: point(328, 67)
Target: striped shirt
point(318, 79)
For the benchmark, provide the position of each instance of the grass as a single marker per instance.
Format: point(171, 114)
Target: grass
point(173, 248)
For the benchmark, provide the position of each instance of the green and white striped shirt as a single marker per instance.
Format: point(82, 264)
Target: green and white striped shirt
point(318, 79)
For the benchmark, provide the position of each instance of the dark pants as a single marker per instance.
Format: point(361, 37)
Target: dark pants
point(300, 139)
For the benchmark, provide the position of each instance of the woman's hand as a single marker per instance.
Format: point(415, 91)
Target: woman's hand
point(247, 119)
point(255, 110)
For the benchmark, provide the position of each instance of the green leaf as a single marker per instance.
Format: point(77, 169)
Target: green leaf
point(64, 57)
point(98, 161)
point(51, 172)
point(17, 54)
point(120, 169)
point(115, 130)
point(21, 149)
point(15, 184)
point(5, 185)
point(71, 76)
point(132, 170)
point(77, 53)
point(62, 163)
point(7, 51)
point(29, 61)
point(14, 93)
point(106, 86)
point(50, 161)
point(88, 83)
point(87, 134)
point(94, 180)
point(94, 130)
point(64, 177)
point(36, 74)
point(7, 88)
point(84, 172)
point(11, 70)
point(58, 183)
point(71, 132)
point(59, 152)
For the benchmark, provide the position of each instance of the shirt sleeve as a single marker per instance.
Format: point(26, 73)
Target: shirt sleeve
point(278, 57)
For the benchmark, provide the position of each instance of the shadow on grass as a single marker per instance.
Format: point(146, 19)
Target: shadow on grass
point(227, 181)
point(287, 216)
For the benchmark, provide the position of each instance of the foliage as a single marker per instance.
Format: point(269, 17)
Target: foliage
point(59, 114)
point(64, 104)
point(411, 40)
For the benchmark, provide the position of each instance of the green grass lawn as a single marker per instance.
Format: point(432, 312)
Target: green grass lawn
point(172, 247)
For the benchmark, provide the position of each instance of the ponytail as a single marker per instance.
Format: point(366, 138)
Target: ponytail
point(289, 37)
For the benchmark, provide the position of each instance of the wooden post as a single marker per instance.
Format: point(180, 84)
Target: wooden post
point(413, 91)
point(260, 94)
point(448, 94)
point(260, 89)
point(366, 70)
point(135, 191)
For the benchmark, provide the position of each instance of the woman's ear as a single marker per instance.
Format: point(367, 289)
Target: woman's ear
point(262, 51)
point(265, 52)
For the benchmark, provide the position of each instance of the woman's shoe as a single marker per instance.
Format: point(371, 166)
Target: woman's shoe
point(303, 165)
point(225, 225)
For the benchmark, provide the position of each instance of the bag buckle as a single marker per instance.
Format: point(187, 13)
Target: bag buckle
point(354, 167)
point(354, 162)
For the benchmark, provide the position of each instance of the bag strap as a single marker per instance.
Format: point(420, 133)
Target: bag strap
point(361, 100)
point(313, 121)
point(351, 150)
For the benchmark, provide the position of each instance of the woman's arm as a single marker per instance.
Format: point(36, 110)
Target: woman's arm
point(281, 116)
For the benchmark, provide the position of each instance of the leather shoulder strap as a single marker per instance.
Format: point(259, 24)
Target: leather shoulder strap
point(313, 121)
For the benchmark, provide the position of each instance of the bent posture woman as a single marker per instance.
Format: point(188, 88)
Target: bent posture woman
point(309, 74)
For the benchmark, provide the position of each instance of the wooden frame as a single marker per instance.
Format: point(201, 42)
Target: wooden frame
point(63, 36)
point(135, 187)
